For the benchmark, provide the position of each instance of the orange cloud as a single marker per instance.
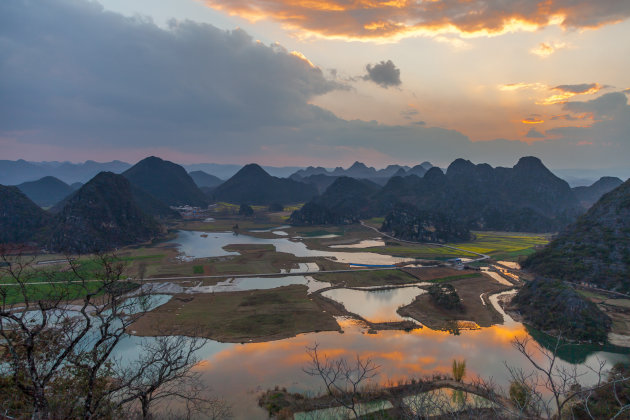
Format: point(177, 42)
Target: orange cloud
point(395, 19)
point(532, 120)
point(545, 49)
point(565, 92)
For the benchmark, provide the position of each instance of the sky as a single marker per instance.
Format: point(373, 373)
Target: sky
point(316, 82)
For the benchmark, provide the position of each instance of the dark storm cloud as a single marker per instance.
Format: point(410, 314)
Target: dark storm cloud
point(68, 66)
point(384, 74)
point(605, 107)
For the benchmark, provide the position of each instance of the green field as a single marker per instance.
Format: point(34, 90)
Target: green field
point(422, 251)
point(257, 315)
point(504, 245)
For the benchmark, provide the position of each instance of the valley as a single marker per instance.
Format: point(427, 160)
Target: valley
point(260, 284)
point(261, 296)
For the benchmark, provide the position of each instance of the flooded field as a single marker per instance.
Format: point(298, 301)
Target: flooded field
point(194, 244)
point(240, 372)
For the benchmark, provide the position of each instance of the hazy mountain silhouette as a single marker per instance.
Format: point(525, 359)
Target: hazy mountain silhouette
point(166, 181)
point(47, 191)
point(253, 185)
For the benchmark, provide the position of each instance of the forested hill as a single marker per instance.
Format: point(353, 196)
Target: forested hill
point(595, 249)
point(345, 201)
point(166, 181)
point(102, 214)
point(21, 220)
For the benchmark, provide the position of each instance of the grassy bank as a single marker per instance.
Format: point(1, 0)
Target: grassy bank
point(257, 315)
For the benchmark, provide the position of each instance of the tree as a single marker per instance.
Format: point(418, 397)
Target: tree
point(343, 380)
point(567, 395)
point(60, 328)
point(246, 210)
point(276, 207)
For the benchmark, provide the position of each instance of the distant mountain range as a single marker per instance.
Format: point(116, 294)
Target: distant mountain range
point(595, 249)
point(358, 170)
point(587, 196)
point(205, 180)
point(19, 171)
point(252, 185)
point(415, 201)
point(527, 197)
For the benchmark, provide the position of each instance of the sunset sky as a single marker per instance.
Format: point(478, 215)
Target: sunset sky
point(316, 82)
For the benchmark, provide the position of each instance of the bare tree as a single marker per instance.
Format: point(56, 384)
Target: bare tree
point(563, 383)
point(59, 330)
point(164, 373)
point(343, 380)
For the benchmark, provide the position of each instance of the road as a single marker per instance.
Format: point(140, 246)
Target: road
point(226, 276)
point(481, 256)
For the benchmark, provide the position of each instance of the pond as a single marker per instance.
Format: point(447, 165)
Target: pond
point(378, 305)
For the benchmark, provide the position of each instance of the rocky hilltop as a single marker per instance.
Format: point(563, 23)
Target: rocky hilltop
point(407, 222)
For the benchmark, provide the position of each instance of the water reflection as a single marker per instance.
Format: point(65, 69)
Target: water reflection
point(240, 372)
point(193, 245)
point(375, 305)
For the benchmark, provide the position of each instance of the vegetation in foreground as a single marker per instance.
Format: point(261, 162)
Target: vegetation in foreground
point(58, 359)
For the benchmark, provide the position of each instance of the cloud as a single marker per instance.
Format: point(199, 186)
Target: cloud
point(533, 119)
point(511, 87)
point(395, 19)
point(568, 91)
point(607, 106)
point(71, 70)
point(384, 74)
point(581, 88)
point(409, 114)
point(534, 134)
point(545, 49)
point(567, 117)
point(78, 82)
